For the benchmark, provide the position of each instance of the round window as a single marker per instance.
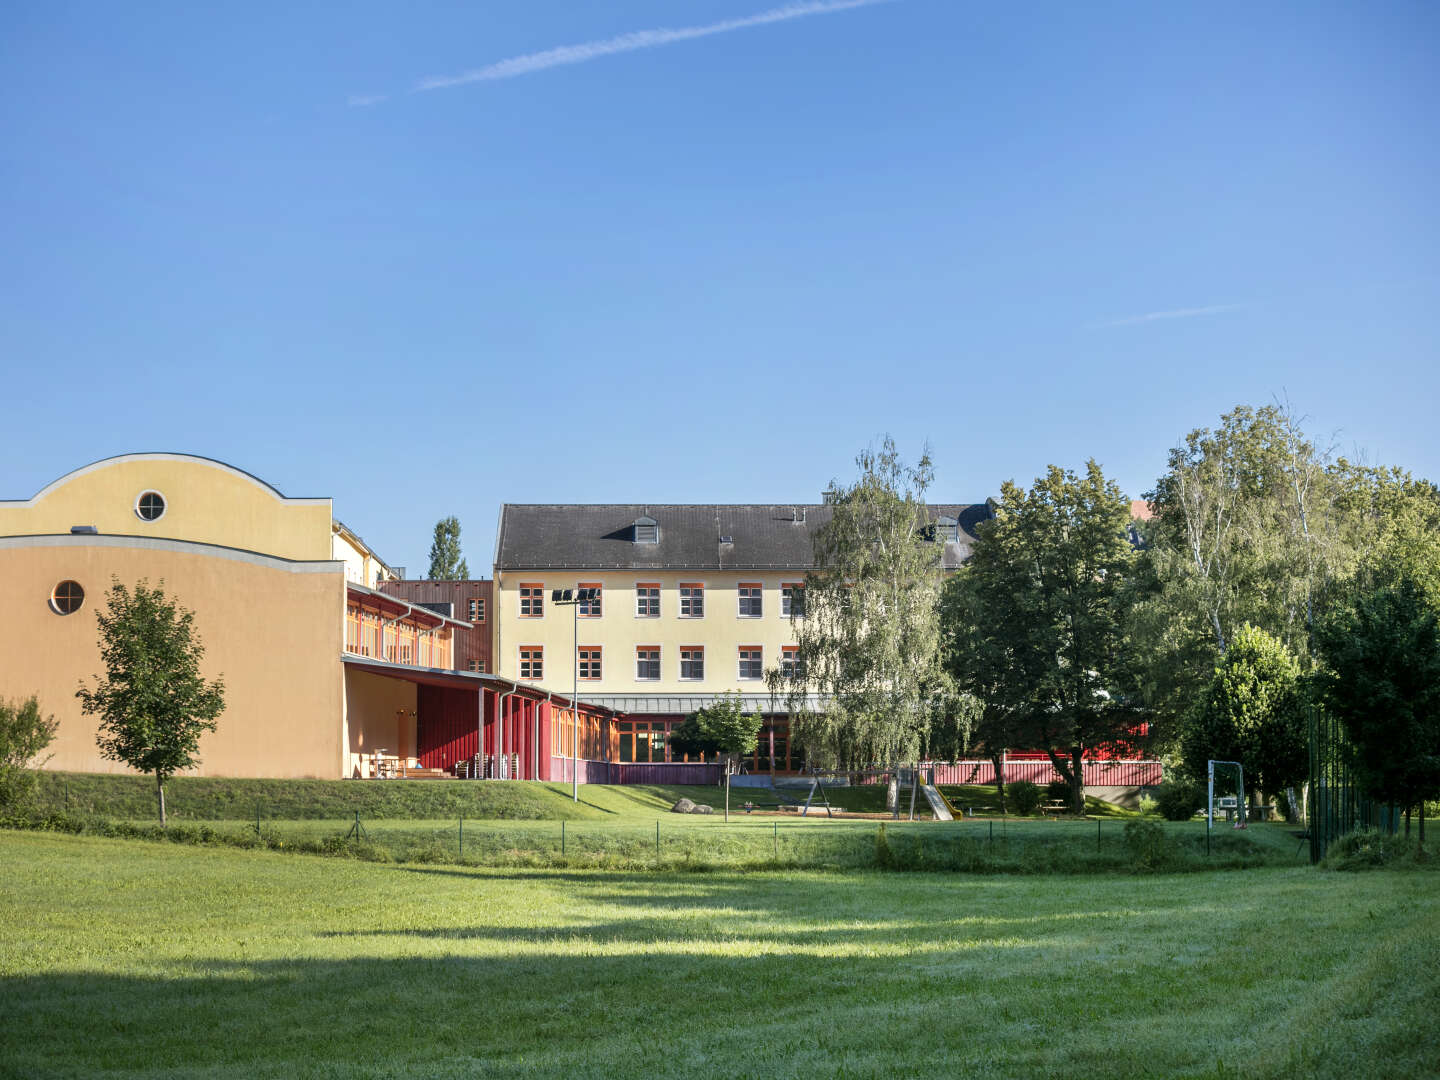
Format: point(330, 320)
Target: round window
point(150, 506)
point(67, 597)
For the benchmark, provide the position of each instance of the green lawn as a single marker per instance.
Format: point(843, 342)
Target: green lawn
point(125, 958)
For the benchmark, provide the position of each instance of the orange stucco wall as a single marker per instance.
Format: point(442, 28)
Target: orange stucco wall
point(272, 628)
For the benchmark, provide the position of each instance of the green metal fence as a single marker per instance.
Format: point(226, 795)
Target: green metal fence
point(1337, 805)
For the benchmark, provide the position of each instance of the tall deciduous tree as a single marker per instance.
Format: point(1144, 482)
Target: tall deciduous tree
point(725, 726)
point(1247, 530)
point(1048, 615)
point(152, 701)
point(446, 562)
point(868, 643)
point(1253, 712)
point(1382, 679)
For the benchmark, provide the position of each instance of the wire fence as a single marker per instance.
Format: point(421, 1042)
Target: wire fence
point(1019, 845)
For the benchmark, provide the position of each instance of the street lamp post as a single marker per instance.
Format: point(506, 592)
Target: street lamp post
point(573, 598)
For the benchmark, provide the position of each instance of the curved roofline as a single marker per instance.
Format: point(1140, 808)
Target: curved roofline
point(161, 543)
point(165, 456)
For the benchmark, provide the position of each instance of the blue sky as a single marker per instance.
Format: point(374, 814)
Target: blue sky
point(428, 258)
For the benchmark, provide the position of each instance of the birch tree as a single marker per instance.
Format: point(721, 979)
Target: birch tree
point(867, 679)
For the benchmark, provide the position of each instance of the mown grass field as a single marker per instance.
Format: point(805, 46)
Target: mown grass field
point(132, 959)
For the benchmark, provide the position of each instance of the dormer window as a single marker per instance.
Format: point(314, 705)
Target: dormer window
point(647, 531)
point(947, 530)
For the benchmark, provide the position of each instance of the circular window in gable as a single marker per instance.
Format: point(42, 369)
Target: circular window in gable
point(150, 506)
point(67, 597)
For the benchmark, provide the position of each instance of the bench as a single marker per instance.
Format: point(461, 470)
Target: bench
point(1056, 807)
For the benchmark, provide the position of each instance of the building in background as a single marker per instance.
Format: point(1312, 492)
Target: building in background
point(466, 601)
point(693, 601)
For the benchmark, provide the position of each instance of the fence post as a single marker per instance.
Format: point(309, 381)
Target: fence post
point(657, 841)
point(462, 834)
point(562, 838)
point(257, 817)
point(1097, 834)
point(776, 825)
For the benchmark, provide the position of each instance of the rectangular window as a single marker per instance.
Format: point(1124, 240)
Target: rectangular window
point(749, 600)
point(532, 600)
point(647, 601)
point(532, 661)
point(647, 662)
point(752, 662)
point(477, 609)
point(590, 609)
point(476, 665)
point(790, 664)
point(692, 662)
point(692, 601)
point(590, 661)
point(792, 599)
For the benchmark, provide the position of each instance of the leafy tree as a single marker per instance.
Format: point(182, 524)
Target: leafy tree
point(725, 727)
point(868, 644)
point(1248, 528)
point(446, 562)
point(24, 734)
point(1382, 654)
point(1047, 616)
point(1253, 712)
point(985, 670)
point(152, 703)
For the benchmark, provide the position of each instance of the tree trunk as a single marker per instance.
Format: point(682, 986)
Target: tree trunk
point(1077, 783)
point(999, 763)
point(160, 797)
point(1420, 850)
point(1407, 823)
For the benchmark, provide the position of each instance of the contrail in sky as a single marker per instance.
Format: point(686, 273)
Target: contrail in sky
point(1178, 313)
point(636, 39)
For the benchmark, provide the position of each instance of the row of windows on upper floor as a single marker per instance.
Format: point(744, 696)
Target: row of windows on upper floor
point(749, 661)
point(690, 600)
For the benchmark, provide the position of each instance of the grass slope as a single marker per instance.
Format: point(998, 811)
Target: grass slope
point(203, 798)
point(199, 798)
point(124, 959)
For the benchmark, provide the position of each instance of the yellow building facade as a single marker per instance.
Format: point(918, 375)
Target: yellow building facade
point(280, 618)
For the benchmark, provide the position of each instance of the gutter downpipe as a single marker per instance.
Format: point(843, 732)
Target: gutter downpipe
point(500, 729)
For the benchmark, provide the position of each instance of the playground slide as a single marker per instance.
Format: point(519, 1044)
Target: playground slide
point(937, 803)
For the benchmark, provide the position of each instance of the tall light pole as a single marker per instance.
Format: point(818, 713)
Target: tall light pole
point(573, 598)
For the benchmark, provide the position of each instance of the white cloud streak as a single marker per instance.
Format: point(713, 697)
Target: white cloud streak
point(637, 39)
point(1178, 313)
point(361, 100)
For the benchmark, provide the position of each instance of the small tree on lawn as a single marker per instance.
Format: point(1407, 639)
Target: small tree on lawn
point(1253, 712)
point(152, 702)
point(724, 725)
point(24, 733)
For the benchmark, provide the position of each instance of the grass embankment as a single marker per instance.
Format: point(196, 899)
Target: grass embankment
point(124, 959)
point(203, 798)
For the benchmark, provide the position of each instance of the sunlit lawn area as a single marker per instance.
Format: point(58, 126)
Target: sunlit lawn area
point(124, 958)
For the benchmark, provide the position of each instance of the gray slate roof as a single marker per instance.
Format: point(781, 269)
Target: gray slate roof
point(762, 537)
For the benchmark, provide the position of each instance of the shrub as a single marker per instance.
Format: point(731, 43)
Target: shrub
point(1148, 806)
point(1178, 800)
point(1059, 791)
point(884, 856)
point(24, 733)
point(1025, 795)
point(1147, 844)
